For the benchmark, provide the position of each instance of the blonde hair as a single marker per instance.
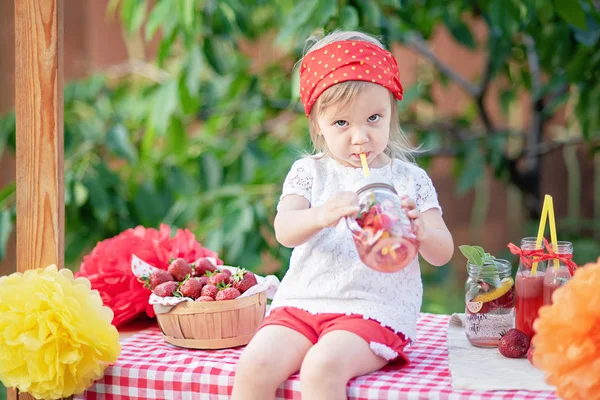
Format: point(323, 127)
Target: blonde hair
point(344, 93)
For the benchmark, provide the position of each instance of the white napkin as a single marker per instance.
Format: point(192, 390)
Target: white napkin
point(476, 368)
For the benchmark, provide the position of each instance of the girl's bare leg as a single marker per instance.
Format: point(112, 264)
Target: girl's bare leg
point(336, 358)
point(273, 354)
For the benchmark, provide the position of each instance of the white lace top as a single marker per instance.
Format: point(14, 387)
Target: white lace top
point(326, 274)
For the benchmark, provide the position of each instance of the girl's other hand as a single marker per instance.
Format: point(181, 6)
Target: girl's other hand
point(339, 205)
point(415, 216)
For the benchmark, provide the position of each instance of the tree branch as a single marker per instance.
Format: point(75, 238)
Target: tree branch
point(480, 97)
point(540, 149)
point(137, 67)
point(477, 92)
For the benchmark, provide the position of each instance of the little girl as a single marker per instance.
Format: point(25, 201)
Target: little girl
point(333, 318)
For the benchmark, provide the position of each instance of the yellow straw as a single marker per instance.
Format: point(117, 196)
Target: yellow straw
point(542, 227)
point(363, 160)
point(553, 238)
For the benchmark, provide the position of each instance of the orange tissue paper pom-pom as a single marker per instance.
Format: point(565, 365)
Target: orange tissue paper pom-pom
point(567, 336)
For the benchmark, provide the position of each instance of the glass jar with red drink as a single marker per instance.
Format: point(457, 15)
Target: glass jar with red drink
point(382, 231)
point(558, 271)
point(489, 302)
point(529, 285)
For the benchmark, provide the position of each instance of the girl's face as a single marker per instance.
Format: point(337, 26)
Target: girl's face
point(363, 126)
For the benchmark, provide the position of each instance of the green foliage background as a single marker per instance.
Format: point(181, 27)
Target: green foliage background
point(203, 137)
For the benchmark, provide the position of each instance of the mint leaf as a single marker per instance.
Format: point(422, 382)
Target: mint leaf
point(472, 253)
point(476, 255)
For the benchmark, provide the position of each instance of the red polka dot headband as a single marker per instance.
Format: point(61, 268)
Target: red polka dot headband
point(348, 60)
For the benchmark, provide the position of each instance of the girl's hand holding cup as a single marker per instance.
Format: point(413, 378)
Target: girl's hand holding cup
point(415, 215)
point(339, 205)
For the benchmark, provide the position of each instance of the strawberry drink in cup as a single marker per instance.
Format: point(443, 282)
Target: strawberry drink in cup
point(529, 286)
point(558, 271)
point(529, 299)
point(382, 231)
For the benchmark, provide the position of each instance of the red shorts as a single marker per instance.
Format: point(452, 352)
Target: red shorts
point(383, 341)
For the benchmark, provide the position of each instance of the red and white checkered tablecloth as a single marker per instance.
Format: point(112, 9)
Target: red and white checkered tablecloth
point(150, 368)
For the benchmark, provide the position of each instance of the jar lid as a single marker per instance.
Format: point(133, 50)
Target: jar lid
point(372, 181)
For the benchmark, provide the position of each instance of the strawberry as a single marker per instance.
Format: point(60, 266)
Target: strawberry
point(166, 289)
point(203, 280)
point(229, 293)
point(204, 298)
point(530, 355)
point(209, 290)
point(157, 277)
point(180, 268)
point(191, 288)
point(202, 266)
point(386, 222)
point(217, 277)
point(514, 344)
point(485, 287)
point(226, 272)
point(243, 280)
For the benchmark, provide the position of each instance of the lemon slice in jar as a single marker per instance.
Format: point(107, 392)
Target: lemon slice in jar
point(505, 285)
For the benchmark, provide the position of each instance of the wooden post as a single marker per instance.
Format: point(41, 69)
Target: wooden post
point(40, 145)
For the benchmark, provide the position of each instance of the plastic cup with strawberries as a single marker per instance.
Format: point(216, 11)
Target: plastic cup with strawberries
point(382, 231)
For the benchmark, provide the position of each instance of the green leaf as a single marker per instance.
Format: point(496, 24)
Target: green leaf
point(218, 20)
point(472, 170)
point(472, 254)
point(211, 172)
point(238, 220)
point(476, 255)
point(80, 194)
point(297, 18)
point(166, 44)
point(7, 194)
point(151, 204)
point(192, 72)
point(370, 15)
point(349, 18)
point(147, 144)
point(166, 101)
point(495, 150)
point(249, 165)
point(411, 95)
point(235, 247)
point(460, 31)
point(158, 16)
point(578, 63)
point(138, 16)
point(505, 17)
point(6, 228)
point(119, 143)
point(396, 4)
point(589, 36)
point(99, 198)
point(218, 52)
point(177, 139)
point(506, 99)
point(323, 13)
point(571, 11)
point(188, 15)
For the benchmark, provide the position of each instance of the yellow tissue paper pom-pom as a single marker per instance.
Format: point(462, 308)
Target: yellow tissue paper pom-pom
point(567, 336)
point(56, 337)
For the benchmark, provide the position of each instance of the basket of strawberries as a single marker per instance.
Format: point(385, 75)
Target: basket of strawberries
point(204, 305)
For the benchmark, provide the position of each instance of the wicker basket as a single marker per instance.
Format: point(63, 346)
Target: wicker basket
point(213, 325)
